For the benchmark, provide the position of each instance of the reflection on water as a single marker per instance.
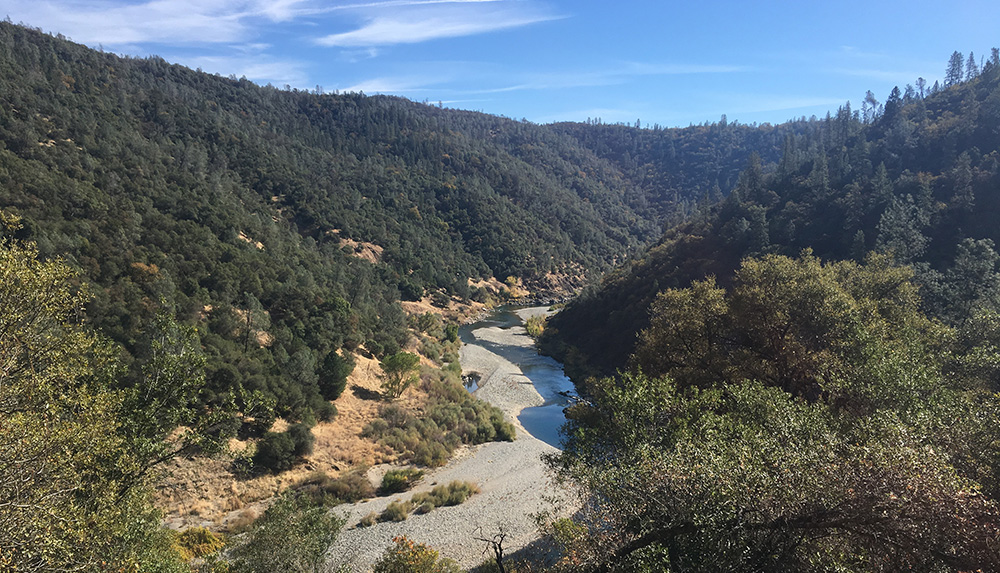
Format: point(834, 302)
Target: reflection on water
point(545, 421)
point(471, 381)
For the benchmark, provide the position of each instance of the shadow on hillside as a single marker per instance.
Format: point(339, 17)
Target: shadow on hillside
point(365, 393)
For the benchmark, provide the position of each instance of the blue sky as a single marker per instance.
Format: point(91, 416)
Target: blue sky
point(666, 62)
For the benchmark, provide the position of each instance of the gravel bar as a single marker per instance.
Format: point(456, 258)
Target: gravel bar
point(514, 482)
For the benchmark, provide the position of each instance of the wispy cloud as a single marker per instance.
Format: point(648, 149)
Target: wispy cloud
point(425, 21)
point(395, 3)
point(260, 68)
point(394, 85)
point(613, 75)
point(155, 21)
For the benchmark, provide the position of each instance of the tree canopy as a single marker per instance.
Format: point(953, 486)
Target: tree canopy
point(69, 497)
point(807, 419)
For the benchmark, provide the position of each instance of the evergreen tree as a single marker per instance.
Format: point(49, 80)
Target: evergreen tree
point(971, 68)
point(953, 75)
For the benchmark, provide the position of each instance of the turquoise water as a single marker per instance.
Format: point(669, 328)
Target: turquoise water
point(545, 421)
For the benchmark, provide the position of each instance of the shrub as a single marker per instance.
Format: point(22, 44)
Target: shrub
point(440, 299)
point(348, 488)
point(452, 417)
point(535, 325)
point(369, 520)
point(409, 290)
point(326, 412)
point(396, 511)
point(292, 536)
point(396, 481)
point(454, 493)
point(302, 438)
point(197, 542)
point(431, 349)
point(399, 372)
point(275, 452)
point(407, 556)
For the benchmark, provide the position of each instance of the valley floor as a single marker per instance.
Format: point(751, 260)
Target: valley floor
point(513, 479)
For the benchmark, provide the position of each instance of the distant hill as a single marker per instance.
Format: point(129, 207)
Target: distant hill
point(226, 203)
point(918, 176)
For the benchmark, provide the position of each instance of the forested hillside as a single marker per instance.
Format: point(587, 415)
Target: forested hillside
point(309, 215)
point(917, 176)
point(807, 360)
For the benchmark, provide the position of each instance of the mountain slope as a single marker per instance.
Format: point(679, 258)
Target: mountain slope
point(919, 179)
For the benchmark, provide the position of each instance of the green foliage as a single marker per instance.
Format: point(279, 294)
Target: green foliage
point(333, 374)
point(396, 511)
point(348, 488)
point(72, 492)
point(455, 493)
point(917, 181)
point(399, 372)
point(279, 451)
point(397, 481)
point(535, 325)
point(293, 535)
point(197, 543)
point(430, 323)
point(409, 290)
point(275, 452)
point(302, 438)
point(406, 556)
point(452, 417)
point(848, 332)
point(168, 392)
point(806, 419)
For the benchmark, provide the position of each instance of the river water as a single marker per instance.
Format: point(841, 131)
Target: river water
point(546, 374)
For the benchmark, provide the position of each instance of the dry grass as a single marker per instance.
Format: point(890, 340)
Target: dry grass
point(205, 492)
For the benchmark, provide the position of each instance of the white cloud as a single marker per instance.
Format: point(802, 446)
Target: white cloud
point(617, 75)
point(394, 85)
point(97, 21)
point(425, 21)
point(259, 68)
point(646, 69)
point(394, 3)
point(155, 21)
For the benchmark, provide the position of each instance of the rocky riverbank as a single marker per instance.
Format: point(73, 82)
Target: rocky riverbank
point(513, 479)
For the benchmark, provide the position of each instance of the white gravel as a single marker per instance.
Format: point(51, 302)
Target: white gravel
point(513, 479)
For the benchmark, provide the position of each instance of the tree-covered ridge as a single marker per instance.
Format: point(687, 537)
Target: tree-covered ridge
point(218, 199)
point(474, 194)
point(916, 176)
point(222, 201)
point(808, 418)
point(678, 170)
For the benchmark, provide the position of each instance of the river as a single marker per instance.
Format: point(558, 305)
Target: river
point(514, 481)
point(557, 391)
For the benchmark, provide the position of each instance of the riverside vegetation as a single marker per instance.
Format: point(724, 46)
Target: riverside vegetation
point(807, 358)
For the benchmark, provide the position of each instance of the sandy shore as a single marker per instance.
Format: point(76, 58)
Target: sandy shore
point(511, 475)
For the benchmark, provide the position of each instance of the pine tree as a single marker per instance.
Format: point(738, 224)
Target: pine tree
point(971, 68)
point(954, 74)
